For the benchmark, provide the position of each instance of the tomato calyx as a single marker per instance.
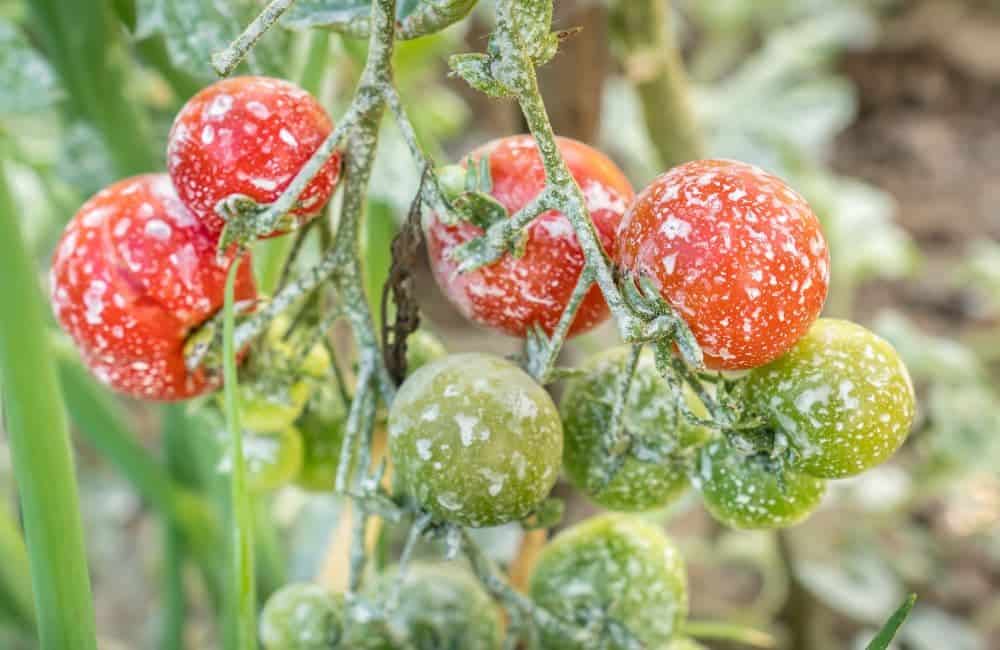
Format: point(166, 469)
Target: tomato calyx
point(548, 514)
point(247, 220)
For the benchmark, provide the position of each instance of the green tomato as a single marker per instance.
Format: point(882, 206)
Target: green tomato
point(618, 566)
point(440, 606)
point(322, 427)
point(422, 347)
point(475, 440)
point(650, 414)
point(753, 491)
point(273, 409)
point(302, 616)
point(841, 395)
point(272, 459)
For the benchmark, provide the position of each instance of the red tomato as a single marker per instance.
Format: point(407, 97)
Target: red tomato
point(512, 294)
point(736, 251)
point(248, 135)
point(133, 274)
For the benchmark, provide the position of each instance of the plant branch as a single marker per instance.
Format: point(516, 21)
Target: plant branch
point(226, 61)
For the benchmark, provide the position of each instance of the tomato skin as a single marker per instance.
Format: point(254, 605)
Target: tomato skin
point(736, 251)
point(322, 428)
point(439, 606)
point(302, 616)
point(586, 410)
point(133, 274)
point(273, 459)
point(422, 347)
point(841, 395)
point(475, 440)
point(249, 135)
point(615, 563)
point(512, 294)
point(753, 492)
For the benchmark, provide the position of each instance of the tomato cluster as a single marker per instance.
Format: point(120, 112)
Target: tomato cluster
point(741, 258)
point(136, 270)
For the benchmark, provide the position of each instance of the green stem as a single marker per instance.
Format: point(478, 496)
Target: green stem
point(40, 449)
point(243, 594)
point(653, 63)
point(15, 580)
point(174, 605)
point(723, 631)
point(226, 61)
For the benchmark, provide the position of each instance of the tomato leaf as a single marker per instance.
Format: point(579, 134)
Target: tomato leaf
point(475, 70)
point(194, 29)
point(30, 84)
point(888, 631)
point(414, 18)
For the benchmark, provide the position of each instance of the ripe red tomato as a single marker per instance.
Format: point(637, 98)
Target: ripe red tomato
point(248, 135)
point(133, 274)
point(513, 293)
point(736, 251)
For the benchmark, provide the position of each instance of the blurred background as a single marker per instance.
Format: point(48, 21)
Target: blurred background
point(884, 114)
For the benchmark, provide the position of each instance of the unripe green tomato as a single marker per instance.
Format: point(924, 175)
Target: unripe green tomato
point(422, 347)
point(618, 565)
point(265, 412)
point(753, 491)
point(650, 414)
point(841, 395)
point(440, 606)
point(315, 363)
point(272, 459)
point(302, 616)
point(322, 427)
point(475, 440)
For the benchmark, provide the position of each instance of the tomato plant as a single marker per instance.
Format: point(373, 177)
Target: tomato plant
point(617, 573)
point(648, 418)
point(535, 236)
point(534, 286)
point(132, 276)
point(736, 251)
point(248, 136)
point(475, 439)
point(841, 395)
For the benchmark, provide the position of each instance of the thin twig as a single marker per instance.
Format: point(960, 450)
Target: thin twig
point(226, 61)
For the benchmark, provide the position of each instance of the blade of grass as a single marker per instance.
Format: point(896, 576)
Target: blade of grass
point(888, 631)
point(15, 581)
point(243, 595)
point(40, 449)
point(723, 631)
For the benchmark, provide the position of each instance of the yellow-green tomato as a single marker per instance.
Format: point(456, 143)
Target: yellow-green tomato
point(302, 616)
point(422, 347)
point(753, 491)
point(273, 409)
point(440, 606)
point(322, 428)
point(650, 414)
point(475, 440)
point(841, 395)
point(619, 567)
point(272, 459)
